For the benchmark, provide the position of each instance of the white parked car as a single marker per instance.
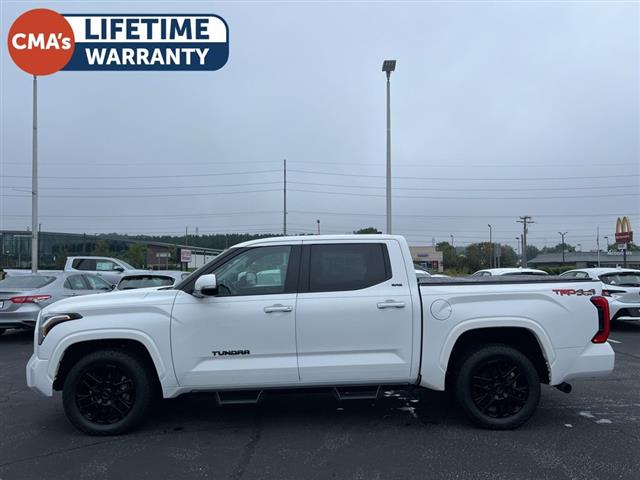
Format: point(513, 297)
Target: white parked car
point(491, 272)
point(620, 286)
point(343, 313)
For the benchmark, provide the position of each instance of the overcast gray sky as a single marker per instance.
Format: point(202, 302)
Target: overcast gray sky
point(498, 110)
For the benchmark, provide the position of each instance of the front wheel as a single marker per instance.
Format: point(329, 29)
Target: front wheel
point(107, 392)
point(498, 387)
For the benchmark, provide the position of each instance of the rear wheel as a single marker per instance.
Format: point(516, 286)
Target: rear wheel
point(498, 387)
point(107, 392)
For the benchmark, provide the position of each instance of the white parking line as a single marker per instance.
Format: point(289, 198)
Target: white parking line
point(614, 341)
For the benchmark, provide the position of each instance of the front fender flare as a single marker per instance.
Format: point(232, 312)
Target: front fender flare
point(108, 334)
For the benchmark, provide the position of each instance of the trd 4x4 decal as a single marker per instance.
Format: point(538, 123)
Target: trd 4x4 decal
point(570, 291)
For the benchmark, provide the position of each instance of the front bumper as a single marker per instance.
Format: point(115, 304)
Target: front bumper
point(38, 378)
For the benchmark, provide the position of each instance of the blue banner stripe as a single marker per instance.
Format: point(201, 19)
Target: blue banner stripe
point(149, 56)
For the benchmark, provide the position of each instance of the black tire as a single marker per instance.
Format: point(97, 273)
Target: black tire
point(107, 392)
point(497, 387)
point(2, 330)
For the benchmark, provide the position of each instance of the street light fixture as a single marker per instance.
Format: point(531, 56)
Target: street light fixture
point(388, 66)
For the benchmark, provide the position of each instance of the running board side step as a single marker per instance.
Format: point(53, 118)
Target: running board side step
point(242, 397)
point(357, 393)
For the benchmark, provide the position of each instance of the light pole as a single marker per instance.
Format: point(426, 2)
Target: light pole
point(579, 247)
point(607, 239)
point(34, 181)
point(318, 222)
point(518, 239)
point(490, 246)
point(562, 234)
point(451, 241)
point(388, 66)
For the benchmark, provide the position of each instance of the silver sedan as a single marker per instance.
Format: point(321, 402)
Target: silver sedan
point(22, 297)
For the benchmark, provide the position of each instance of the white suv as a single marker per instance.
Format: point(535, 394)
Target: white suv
point(620, 286)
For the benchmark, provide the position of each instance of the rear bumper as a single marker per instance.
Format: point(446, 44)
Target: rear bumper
point(38, 377)
point(595, 360)
point(19, 319)
point(625, 311)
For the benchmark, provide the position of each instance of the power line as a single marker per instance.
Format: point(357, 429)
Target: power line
point(126, 177)
point(164, 187)
point(535, 189)
point(471, 179)
point(160, 195)
point(440, 197)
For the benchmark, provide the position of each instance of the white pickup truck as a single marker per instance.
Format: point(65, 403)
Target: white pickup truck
point(341, 312)
point(111, 269)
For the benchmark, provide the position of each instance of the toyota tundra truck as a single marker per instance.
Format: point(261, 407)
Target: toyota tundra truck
point(342, 313)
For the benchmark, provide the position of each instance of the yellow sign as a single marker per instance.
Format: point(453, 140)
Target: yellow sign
point(623, 231)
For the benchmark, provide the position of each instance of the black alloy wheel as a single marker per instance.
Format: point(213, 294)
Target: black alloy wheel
point(105, 394)
point(497, 386)
point(109, 392)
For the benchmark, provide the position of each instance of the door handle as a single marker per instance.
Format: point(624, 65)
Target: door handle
point(390, 304)
point(278, 308)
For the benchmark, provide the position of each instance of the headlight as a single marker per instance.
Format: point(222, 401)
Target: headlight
point(47, 322)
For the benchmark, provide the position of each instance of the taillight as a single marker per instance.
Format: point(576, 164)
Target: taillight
point(612, 293)
point(29, 298)
point(604, 320)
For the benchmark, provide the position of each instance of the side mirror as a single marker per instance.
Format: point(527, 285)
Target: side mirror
point(118, 268)
point(206, 286)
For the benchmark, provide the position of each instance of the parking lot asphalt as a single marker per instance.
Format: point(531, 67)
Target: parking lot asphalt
point(592, 433)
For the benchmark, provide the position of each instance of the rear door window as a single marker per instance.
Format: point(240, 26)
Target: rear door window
point(622, 279)
point(75, 282)
point(84, 264)
point(348, 266)
point(96, 283)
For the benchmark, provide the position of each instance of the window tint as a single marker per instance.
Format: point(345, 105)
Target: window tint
point(96, 283)
point(75, 282)
point(582, 275)
point(144, 281)
point(568, 274)
point(26, 281)
point(623, 279)
point(258, 271)
point(351, 266)
point(85, 264)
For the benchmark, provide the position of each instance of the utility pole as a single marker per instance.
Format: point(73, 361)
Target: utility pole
point(34, 181)
point(562, 234)
point(598, 243)
point(284, 211)
point(526, 220)
point(491, 259)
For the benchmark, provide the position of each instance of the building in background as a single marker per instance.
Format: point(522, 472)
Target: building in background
point(585, 259)
point(428, 258)
point(55, 247)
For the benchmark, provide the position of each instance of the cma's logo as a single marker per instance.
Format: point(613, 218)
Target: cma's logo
point(225, 353)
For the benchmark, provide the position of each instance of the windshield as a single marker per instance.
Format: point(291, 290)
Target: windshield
point(26, 281)
point(623, 279)
point(143, 281)
point(126, 265)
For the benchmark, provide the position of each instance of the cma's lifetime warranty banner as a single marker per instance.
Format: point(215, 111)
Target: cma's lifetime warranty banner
point(42, 42)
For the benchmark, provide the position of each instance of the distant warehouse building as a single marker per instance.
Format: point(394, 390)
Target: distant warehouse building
point(428, 258)
point(585, 259)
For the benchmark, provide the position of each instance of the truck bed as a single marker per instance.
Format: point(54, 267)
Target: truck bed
point(499, 280)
